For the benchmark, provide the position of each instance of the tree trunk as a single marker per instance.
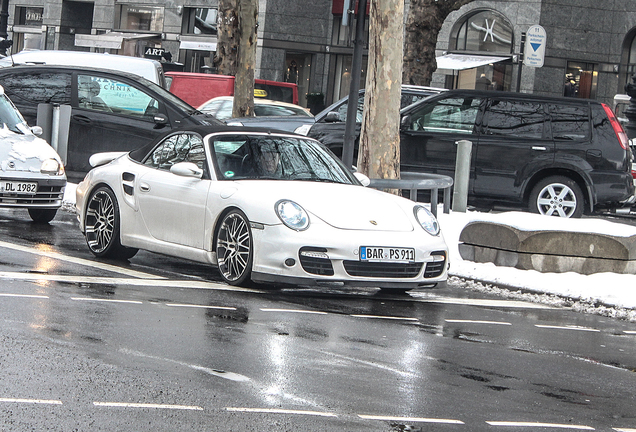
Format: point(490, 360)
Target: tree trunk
point(379, 148)
point(226, 59)
point(244, 82)
point(423, 24)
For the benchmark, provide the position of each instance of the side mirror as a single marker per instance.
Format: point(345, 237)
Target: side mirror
point(405, 122)
point(186, 169)
point(332, 117)
point(160, 119)
point(366, 181)
point(36, 130)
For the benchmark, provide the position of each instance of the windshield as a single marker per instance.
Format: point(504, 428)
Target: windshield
point(276, 158)
point(10, 116)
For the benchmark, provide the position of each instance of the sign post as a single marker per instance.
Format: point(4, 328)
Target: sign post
point(534, 49)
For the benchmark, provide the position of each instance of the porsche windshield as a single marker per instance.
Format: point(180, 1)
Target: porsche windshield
point(10, 116)
point(276, 158)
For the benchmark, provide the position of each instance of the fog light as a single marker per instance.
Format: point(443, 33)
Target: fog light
point(290, 262)
point(314, 254)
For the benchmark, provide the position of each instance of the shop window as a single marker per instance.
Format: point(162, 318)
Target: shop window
point(581, 80)
point(140, 18)
point(200, 21)
point(484, 31)
point(28, 38)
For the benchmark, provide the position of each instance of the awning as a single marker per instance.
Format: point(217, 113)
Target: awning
point(197, 45)
point(466, 61)
point(112, 40)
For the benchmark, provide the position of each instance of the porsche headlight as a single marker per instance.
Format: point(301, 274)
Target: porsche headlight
point(52, 167)
point(292, 215)
point(426, 220)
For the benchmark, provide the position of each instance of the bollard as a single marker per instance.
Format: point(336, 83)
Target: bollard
point(462, 175)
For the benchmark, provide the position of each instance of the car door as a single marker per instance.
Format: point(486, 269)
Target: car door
point(430, 130)
point(173, 207)
point(515, 143)
point(110, 113)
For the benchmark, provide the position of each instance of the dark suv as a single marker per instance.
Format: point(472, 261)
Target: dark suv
point(329, 126)
point(109, 110)
point(556, 156)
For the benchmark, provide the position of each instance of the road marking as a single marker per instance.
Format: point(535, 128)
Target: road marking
point(165, 283)
point(629, 331)
point(477, 322)
point(426, 297)
point(411, 419)
point(105, 300)
point(567, 328)
point(46, 251)
point(294, 311)
point(385, 317)
point(200, 306)
point(624, 430)
point(24, 295)
point(539, 425)
point(280, 411)
point(32, 401)
point(147, 405)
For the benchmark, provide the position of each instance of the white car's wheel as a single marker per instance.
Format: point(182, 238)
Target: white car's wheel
point(557, 196)
point(234, 248)
point(102, 226)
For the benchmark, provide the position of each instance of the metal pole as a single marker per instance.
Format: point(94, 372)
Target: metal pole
point(462, 175)
point(356, 73)
point(55, 126)
point(520, 64)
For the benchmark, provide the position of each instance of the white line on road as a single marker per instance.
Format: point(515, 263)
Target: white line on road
point(538, 425)
point(294, 311)
point(147, 405)
point(105, 300)
point(200, 306)
point(629, 331)
point(425, 297)
point(281, 411)
point(411, 419)
point(567, 328)
point(32, 401)
point(385, 317)
point(45, 250)
point(477, 322)
point(24, 295)
point(624, 430)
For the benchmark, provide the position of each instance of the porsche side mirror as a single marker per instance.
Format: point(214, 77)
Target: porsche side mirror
point(186, 169)
point(36, 130)
point(332, 117)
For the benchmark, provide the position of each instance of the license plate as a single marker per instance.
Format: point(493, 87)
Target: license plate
point(386, 254)
point(15, 187)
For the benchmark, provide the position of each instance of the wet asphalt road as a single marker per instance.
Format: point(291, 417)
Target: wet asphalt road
point(159, 344)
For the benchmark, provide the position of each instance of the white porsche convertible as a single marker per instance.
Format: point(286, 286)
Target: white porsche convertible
point(263, 207)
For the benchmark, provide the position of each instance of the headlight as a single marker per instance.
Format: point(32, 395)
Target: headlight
point(292, 215)
point(303, 130)
point(52, 167)
point(426, 220)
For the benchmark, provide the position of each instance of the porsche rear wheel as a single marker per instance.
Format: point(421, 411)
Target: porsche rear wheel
point(234, 248)
point(102, 226)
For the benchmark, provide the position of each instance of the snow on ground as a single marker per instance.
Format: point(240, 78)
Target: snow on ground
point(608, 294)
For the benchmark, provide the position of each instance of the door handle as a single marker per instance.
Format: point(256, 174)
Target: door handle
point(539, 148)
point(144, 187)
point(81, 119)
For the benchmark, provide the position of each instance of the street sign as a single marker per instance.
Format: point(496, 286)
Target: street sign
point(534, 49)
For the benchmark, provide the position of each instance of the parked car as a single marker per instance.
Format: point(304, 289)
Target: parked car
point(621, 102)
point(270, 114)
point(196, 88)
point(330, 123)
point(31, 172)
point(554, 156)
point(262, 206)
point(143, 67)
point(110, 111)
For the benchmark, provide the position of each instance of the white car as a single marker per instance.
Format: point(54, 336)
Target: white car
point(263, 207)
point(31, 172)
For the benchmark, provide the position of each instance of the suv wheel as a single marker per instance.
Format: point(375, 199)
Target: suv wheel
point(557, 196)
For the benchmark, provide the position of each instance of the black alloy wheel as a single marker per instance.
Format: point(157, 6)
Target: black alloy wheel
point(102, 225)
point(234, 248)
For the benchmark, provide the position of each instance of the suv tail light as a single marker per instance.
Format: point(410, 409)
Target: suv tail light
point(620, 132)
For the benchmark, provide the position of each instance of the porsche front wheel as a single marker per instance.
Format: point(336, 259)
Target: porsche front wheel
point(102, 225)
point(234, 248)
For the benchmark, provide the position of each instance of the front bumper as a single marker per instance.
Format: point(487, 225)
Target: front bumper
point(49, 195)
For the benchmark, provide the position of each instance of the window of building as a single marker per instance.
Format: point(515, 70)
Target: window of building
point(200, 21)
point(140, 18)
point(23, 36)
point(581, 80)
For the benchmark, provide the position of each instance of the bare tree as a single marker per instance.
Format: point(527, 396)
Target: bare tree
point(379, 148)
point(244, 82)
point(226, 59)
point(424, 21)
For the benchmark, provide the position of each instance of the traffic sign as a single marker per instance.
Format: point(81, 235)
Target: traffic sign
point(534, 49)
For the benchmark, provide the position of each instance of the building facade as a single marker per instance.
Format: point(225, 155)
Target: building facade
point(590, 48)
